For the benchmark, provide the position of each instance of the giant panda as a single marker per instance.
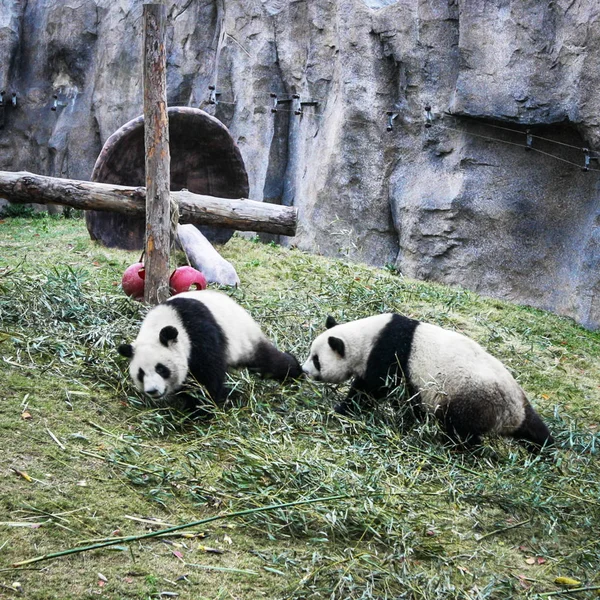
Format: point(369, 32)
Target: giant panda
point(446, 373)
point(202, 334)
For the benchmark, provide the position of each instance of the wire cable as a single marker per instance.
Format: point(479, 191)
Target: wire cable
point(533, 135)
point(525, 147)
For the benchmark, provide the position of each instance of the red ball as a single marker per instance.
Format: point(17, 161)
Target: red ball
point(133, 281)
point(185, 278)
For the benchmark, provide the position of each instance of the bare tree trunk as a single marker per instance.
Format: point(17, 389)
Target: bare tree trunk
point(158, 157)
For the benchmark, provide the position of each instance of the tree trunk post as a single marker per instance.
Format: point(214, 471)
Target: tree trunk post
point(158, 157)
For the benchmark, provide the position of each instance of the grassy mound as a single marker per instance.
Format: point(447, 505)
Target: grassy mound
point(84, 458)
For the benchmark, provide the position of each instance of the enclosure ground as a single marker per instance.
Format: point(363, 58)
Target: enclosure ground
point(84, 458)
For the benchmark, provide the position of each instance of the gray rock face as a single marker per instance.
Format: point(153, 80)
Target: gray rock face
point(461, 202)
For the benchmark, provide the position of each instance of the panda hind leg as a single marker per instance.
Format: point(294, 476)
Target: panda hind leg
point(271, 363)
point(465, 420)
point(533, 431)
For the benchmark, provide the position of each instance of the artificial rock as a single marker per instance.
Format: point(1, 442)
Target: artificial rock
point(461, 202)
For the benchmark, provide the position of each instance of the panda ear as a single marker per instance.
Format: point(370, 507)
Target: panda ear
point(331, 322)
point(168, 334)
point(337, 345)
point(125, 350)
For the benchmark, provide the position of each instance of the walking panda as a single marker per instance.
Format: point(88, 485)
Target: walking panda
point(446, 373)
point(201, 333)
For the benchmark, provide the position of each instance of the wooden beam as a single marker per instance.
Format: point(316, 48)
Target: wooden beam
point(158, 157)
point(241, 214)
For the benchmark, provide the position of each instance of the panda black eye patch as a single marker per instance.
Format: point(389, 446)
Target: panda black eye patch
point(316, 362)
point(163, 371)
point(141, 374)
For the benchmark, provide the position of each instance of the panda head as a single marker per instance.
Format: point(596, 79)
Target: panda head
point(329, 358)
point(158, 366)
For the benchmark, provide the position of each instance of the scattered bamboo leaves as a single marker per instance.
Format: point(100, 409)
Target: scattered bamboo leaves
point(56, 440)
point(134, 538)
point(413, 518)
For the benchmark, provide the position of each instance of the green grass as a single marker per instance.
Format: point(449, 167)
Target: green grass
point(85, 458)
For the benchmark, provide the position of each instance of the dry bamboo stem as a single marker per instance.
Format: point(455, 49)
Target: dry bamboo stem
point(133, 538)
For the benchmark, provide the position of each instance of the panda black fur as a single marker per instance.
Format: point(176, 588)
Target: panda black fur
point(202, 333)
point(448, 374)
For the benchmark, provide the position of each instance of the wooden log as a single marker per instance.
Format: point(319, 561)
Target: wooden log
point(158, 158)
point(243, 214)
point(205, 258)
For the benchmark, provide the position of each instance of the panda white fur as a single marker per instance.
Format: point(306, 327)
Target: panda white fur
point(201, 333)
point(446, 373)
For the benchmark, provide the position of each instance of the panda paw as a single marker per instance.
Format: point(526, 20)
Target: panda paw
point(341, 408)
point(349, 408)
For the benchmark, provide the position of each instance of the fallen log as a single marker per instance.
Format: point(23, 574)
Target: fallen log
point(203, 256)
point(241, 214)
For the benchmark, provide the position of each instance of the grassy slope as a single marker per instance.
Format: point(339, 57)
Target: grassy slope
point(427, 522)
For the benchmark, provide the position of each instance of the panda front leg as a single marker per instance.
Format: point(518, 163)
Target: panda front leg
point(193, 407)
point(360, 397)
point(409, 405)
point(215, 386)
point(212, 377)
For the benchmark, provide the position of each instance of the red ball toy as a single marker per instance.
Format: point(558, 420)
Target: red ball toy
point(133, 281)
point(183, 278)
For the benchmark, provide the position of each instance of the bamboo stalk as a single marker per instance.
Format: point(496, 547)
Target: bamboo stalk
point(222, 569)
point(133, 538)
point(501, 530)
point(571, 591)
point(58, 442)
point(120, 538)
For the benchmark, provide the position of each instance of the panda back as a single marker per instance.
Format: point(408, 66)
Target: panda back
point(242, 333)
point(446, 365)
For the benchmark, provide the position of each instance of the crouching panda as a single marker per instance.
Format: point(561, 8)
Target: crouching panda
point(201, 333)
point(445, 373)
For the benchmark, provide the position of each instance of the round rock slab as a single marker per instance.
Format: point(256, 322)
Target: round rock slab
point(204, 160)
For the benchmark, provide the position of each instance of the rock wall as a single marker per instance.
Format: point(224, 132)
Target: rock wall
point(461, 202)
